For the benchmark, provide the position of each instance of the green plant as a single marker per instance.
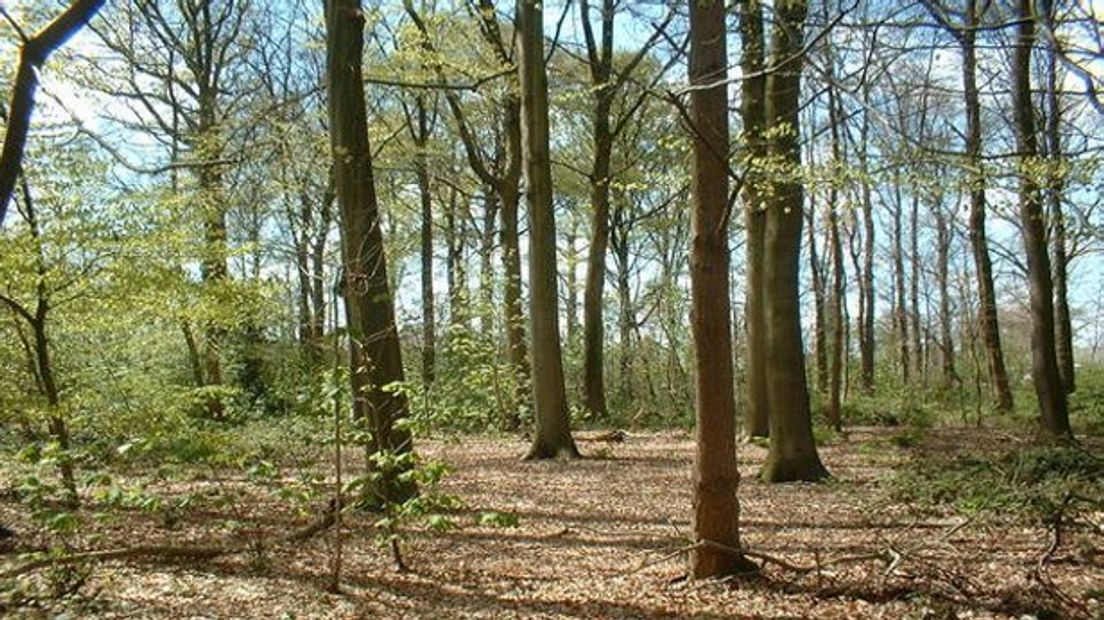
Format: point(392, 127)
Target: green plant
point(1032, 481)
point(494, 518)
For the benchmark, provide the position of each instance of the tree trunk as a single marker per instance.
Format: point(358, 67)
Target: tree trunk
point(455, 278)
point(918, 349)
point(421, 172)
point(511, 257)
point(486, 261)
point(716, 477)
point(593, 324)
point(900, 309)
point(1044, 361)
point(514, 316)
point(944, 235)
point(866, 311)
point(318, 262)
point(820, 330)
point(57, 426)
point(626, 317)
point(194, 361)
point(375, 360)
point(552, 436)
point(793, 454)
point(836, 305)
point(1054, 191)
point(987, 298)
point(600, 57)
point(752, 90)
point(572, 267)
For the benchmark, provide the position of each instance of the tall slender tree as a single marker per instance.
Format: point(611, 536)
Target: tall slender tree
point(716, 477)
point(1049, 390)
point(752, 112)
point(1052, 133)
point(375, 360)
point(607, 82)
point(552, 436)
point(792, 454)
point(966, 33)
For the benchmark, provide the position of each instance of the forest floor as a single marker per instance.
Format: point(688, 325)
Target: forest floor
point(606, 537)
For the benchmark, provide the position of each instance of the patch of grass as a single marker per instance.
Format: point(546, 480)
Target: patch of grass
point(1032, 482)
point(889, 410)
point(1087, 403)
point(908, 438)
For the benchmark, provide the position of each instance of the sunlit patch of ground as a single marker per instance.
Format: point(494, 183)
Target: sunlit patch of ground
point(600, 538)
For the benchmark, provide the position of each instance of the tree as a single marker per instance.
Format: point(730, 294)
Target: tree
point(1055, 187)
point(792, 454)
point(1049, 390)
point(716, 477)
point(606, 82)
point(32, 56)
point(501, 174)
point(186, 66)
point(753, 114)
point(839, 284)
point(552, 436)
point(375, 361)
point(420, 123)
point(966, 34)
point(38, 347)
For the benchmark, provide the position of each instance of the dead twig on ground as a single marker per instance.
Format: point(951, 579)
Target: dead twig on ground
point(170, 552)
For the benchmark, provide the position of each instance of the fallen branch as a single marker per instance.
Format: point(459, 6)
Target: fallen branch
point(1042, 567)
point(171, 552)
point(890, 555)
point(166, 551)
point(613, 436)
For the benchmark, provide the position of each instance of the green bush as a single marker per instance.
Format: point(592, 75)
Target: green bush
point(889, 410)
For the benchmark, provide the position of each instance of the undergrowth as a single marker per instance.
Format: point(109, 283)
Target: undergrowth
point(1033, 482)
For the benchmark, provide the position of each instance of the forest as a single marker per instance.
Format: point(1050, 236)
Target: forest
point(580, 309)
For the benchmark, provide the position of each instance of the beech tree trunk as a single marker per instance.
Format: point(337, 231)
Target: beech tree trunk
point(918, 348)
point(820, 329)
point(420, 129)
point(900, 309)
point(979, 244)
point(456, 273)
point(752, 90)
point(835, 245)
point(716, 477)
point(1049, 390)
point(1054, 192)
point(593, 325)
point(793, 454)
point(375, 360)
point(572, 282)
point(866, 309)
point(626, 316)
point(944, 234)
point(552, 436)
point(486, 260)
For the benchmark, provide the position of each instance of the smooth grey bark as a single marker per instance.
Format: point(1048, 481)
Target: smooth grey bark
point(1045, 375)
point(753, 114)
point(552, 435)
point(375, 359)
point(793, 454)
